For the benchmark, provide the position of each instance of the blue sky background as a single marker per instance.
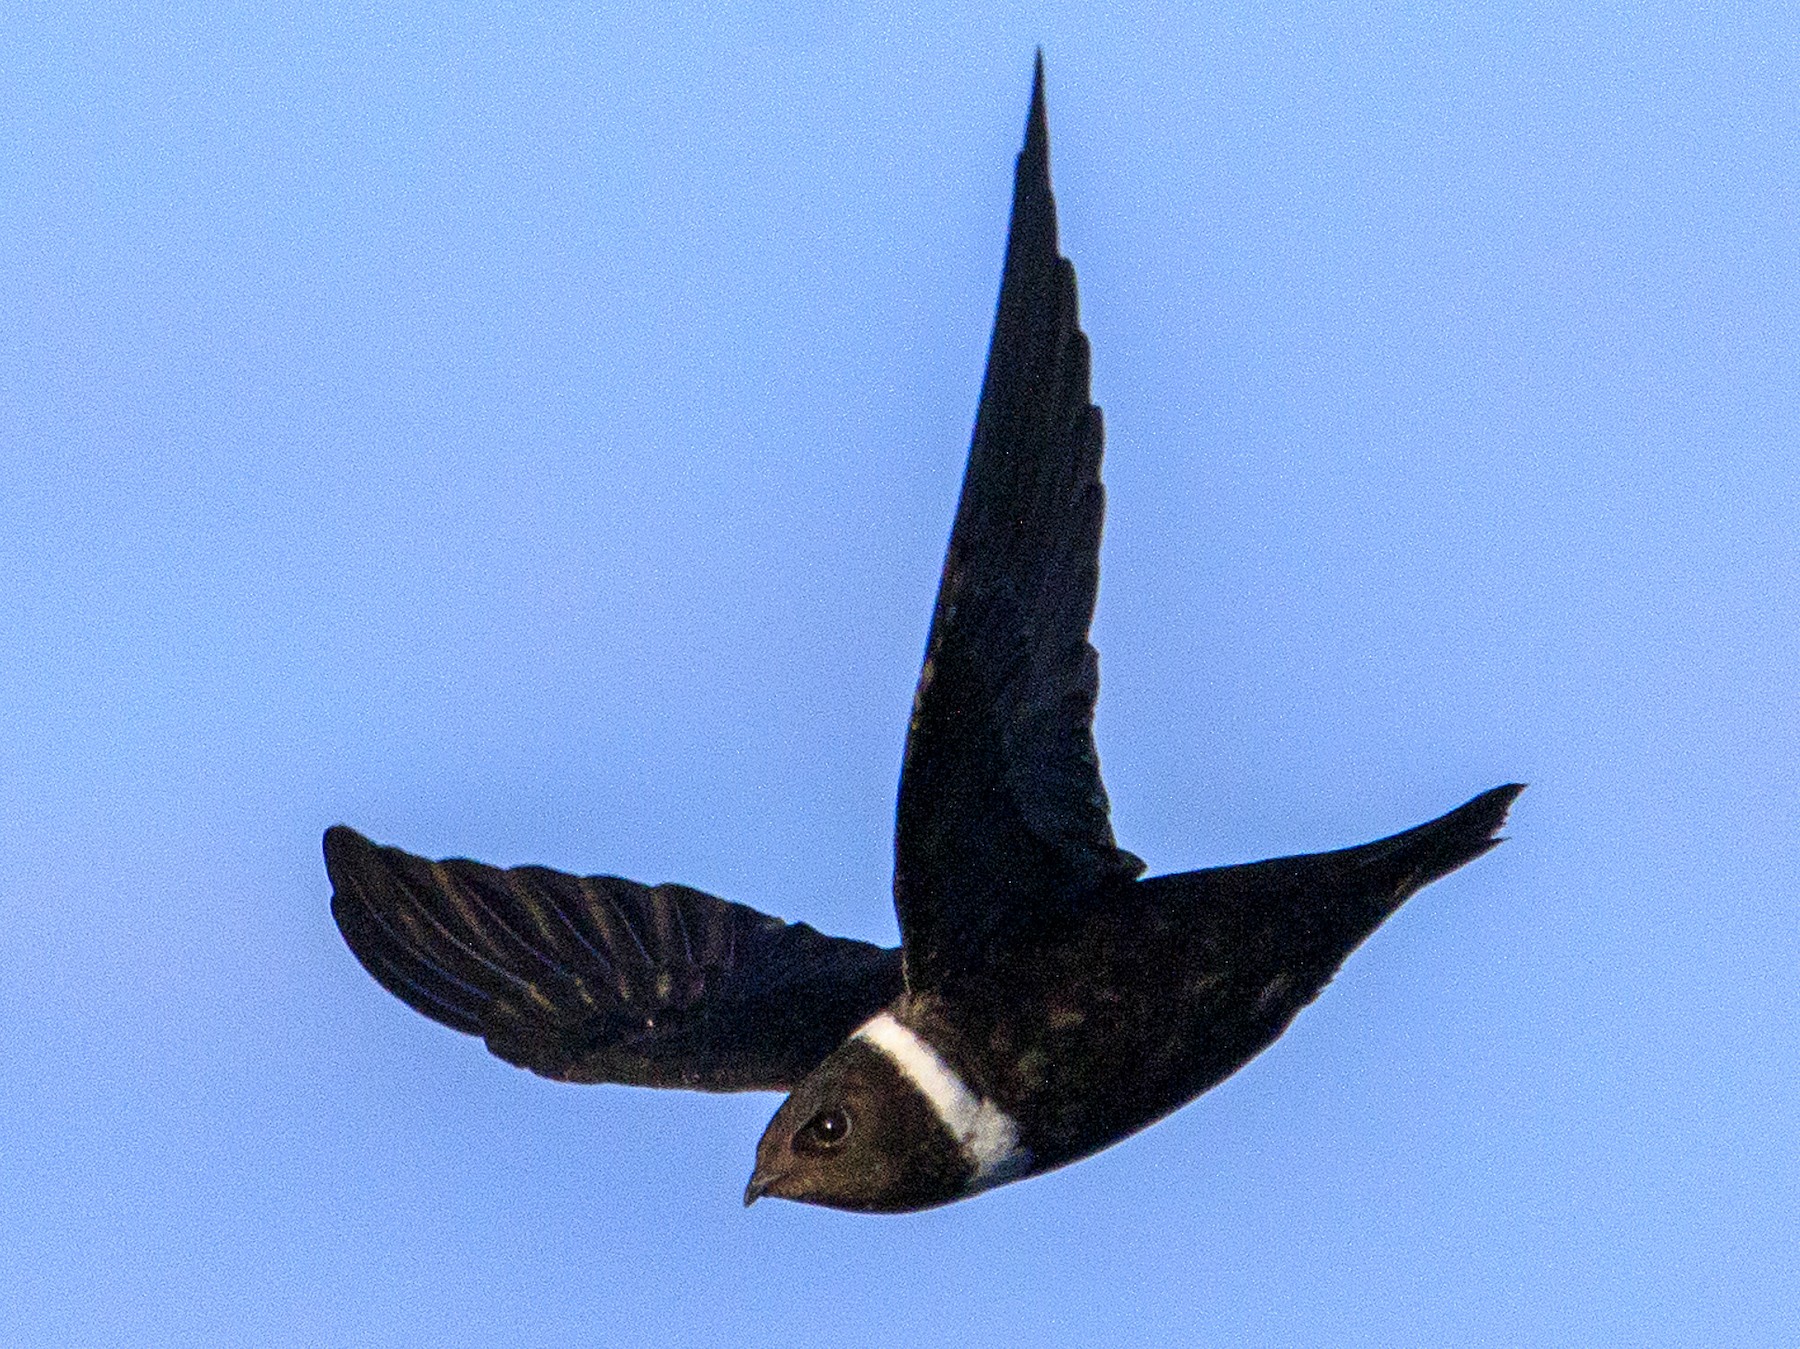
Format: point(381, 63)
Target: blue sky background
point(531, 432)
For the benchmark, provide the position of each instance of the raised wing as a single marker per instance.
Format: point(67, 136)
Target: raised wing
point(598, 979)
point(1002, 814)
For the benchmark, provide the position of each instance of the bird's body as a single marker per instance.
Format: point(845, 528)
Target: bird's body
point(1045, 1001)
point(1165, 988)
point(1105, 1021)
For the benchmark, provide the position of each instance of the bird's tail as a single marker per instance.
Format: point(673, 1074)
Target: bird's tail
point(1336, 899)
point(1402, 864)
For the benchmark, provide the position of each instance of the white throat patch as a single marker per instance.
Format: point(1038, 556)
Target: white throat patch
point(987, 1135)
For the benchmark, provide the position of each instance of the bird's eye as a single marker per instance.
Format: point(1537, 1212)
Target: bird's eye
point(824, 1131)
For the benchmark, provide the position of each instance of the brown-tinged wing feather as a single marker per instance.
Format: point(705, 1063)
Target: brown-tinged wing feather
point(599, 979)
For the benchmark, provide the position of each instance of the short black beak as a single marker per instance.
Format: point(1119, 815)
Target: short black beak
point(757, 1188)
point(763, 1180)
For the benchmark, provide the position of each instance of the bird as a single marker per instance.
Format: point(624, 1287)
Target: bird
point(1047, 999)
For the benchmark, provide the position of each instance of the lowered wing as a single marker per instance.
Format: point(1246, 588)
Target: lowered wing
point(598, 979)
point(1002, 814)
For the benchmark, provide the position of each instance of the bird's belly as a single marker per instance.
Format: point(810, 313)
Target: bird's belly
point(1125, 1032)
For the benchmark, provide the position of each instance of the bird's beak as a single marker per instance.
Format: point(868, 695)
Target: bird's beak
point(761, 1182)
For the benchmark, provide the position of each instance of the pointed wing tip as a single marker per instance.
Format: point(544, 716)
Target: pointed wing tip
point(1037, 121)
point(1033, 227)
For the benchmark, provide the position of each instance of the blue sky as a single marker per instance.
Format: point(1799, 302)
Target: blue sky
point(531, 433)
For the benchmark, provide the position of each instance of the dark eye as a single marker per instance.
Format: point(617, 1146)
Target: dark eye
point(823, 1132)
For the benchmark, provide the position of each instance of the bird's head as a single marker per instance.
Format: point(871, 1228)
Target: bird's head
point(857, 1134)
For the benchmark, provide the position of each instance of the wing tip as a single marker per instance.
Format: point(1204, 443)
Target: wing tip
point(346, 856)
point(1034, 158)
point(336, 835)
point(342, 845)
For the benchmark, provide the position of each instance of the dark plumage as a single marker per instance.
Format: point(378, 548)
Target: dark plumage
point(1045, 1002)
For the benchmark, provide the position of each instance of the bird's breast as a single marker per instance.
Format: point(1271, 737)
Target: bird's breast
point(1120, 1021)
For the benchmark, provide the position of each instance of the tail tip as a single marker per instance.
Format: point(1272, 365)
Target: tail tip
point(1493, 806)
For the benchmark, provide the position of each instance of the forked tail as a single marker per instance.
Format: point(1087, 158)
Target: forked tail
point(1328, 902)
point(1404, 863)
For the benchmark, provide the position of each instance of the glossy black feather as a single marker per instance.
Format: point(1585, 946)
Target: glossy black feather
point(1175, 982)
point(599, 979)
point(1002, 816)
point(1073, 1002)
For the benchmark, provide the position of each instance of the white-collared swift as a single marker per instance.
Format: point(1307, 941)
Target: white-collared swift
point(1045, 1001)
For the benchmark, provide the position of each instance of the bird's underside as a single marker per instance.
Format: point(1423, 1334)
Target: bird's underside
point(1025, 930)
